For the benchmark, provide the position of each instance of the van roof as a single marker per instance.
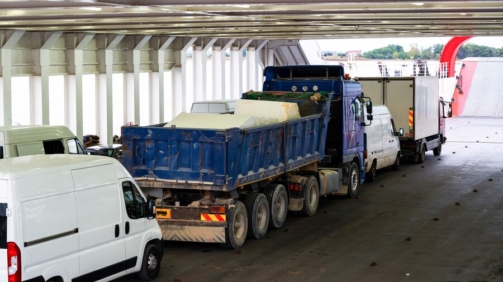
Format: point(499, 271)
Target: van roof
point(27, 133)
point(37, 164)
point(216, 101)
point(379, 110)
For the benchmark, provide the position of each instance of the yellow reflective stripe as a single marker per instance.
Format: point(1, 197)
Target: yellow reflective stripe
point(213, 217)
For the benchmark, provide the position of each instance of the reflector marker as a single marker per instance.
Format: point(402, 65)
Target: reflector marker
point(212, 217)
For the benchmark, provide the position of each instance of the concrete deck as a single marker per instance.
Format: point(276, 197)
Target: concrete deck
point(450, 207)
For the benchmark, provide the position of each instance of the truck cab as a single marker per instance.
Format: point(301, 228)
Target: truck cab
point(347, 115)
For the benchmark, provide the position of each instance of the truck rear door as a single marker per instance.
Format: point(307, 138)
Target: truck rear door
point(399, 97)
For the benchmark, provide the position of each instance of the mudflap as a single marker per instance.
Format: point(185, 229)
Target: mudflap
point(295, 204)
point(173, 230)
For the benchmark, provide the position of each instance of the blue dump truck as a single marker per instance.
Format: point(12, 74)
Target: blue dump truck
point(224, 185)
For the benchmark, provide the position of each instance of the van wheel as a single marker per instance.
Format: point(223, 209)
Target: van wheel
point(278, 204)
point(311, 197)
point(422, 155)
point(151, 263)
point(257, 208)
point(438, 150)
point(371, 175)
point(237, 221)
point(396, 165)
point(354, 180)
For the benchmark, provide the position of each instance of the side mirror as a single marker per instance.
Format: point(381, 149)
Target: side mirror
point(449, 111)
point(369, 107)
point(150, 208)
point(400, 132)
point(1, 152)
point(370, 117)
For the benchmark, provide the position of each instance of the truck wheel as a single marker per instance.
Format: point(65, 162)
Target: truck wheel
point(237, 226)
point(354, 180)
point(422, 155)
point(311, 197)
point(371, 175)
point(396, 165)
point(257, 208)
point(278, 204)
point(151, 263)
point(438, 150)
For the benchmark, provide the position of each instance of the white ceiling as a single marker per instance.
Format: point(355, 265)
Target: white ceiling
point(258, 19)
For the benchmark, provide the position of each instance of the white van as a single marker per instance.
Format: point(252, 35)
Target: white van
point(215, 106)
point(382, 143)
point(37, 139)
point(74, 218)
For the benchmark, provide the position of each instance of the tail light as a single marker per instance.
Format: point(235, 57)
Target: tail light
point(365, 155)
point(13, 262)
point(294, 187)
point(217, 209)
point(411, 122)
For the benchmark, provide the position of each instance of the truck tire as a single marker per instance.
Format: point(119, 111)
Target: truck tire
point(396, 165)
point(438, 150)
point(354, 180)
point(371, 175)
point(151, 263)
point(258, 211)
point(422, 155)
point(311, 197)
point(278, 204)
point(237, 226)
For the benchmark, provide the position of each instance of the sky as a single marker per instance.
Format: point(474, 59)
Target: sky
point(368, 44)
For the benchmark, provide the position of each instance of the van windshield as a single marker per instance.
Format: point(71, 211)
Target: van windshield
point(74, 146)
point(3, 226)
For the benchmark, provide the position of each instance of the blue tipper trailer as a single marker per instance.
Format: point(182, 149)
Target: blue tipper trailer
point(225, 185)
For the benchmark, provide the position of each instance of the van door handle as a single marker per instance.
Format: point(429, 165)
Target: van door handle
point(127, 227)
point(117, 230)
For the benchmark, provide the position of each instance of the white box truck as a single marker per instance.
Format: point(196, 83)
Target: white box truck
point(416, 107)
point(74, 218)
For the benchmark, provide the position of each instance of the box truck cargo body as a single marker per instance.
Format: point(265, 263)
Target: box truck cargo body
point(416, 107)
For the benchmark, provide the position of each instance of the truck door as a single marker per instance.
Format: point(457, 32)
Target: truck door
point(135, 222)
point(399, 97)
point(351, 126)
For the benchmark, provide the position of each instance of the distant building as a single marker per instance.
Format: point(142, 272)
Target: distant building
point(351, 55)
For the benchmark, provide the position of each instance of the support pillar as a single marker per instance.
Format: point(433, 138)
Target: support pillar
point(6, 53)
point(218, 69)
point(251, 62)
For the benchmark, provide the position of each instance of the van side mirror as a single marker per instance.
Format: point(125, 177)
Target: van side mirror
point(400, 132)
point(369, 106)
